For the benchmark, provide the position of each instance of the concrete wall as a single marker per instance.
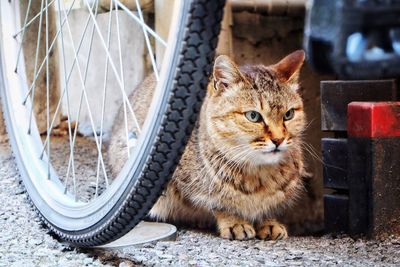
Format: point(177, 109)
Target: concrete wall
point(133, 62)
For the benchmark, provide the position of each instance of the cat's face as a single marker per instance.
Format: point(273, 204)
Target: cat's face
point(255, 113)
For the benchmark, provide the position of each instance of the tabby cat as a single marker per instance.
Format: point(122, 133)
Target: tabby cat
point(244, 161)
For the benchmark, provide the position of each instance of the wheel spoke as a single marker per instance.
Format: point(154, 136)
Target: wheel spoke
point(104, 97)
point(26, 25)
point(23, 34)
point(36, 74)
point(123, 81)
point(138, 20)
point(125, 97)
point(83, 81)
point(72, 146)
point(47, 92)
point(68, 78)
point(146, 37)
point(35, 68)
point(68, 104)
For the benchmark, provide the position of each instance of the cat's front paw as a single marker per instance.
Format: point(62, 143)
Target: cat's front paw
point(239, 231)
point(271, 230)
point(232, 227)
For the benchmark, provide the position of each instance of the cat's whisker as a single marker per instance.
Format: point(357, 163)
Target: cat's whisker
point(308, 125)
point(230, 165)
point(238, 166)
point(233, 164)
point(313, 153)
point(205, 170)
point(224, 166)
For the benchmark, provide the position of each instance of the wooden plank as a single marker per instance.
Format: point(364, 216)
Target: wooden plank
point(336, 95)
point(164, 12)
point(374, 186)
point(385, 187)
point(334, 157)
point(336, 214)
point(225, 39)
point(359, 169)
point(145, 5)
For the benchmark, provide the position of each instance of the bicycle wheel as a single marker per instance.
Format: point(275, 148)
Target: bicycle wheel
point(83, 204)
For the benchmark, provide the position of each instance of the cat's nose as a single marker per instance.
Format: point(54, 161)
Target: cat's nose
point(277, 141)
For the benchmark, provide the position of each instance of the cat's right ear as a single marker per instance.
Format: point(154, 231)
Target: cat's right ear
point(225, 73)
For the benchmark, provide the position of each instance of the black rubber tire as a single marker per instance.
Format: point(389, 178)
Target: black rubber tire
point(196, 52)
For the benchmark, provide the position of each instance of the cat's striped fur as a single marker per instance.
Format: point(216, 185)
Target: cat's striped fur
point(236, 173)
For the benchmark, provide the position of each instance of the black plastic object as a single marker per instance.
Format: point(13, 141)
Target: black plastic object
point(358, 39)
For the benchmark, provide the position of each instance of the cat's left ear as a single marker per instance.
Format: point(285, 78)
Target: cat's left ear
point(287, 70)
point(225, 73)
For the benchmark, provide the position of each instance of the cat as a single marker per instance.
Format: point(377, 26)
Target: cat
point(243, 163)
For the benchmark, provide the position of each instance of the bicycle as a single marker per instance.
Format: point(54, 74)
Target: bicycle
point(91, 208)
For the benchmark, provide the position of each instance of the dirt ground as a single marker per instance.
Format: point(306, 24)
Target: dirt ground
point(25, 242)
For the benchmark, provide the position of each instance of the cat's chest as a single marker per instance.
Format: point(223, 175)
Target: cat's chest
point(255, 195)
point(262, 182)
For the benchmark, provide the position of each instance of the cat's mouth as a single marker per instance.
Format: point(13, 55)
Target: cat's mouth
point(268, 156)
point(271, 151)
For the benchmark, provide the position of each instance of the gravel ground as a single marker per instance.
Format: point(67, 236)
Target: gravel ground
point(24, 242)
point(204, 249)
point(23, 239)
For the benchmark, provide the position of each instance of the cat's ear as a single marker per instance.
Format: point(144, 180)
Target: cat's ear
point(225, 73)
point(287, 70)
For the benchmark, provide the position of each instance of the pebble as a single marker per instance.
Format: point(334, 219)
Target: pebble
point(87, 261)
point(35, 242)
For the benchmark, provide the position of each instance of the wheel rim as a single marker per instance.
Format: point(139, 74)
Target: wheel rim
point(63, 209)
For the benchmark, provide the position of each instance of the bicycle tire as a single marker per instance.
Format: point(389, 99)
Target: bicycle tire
point(180, 108)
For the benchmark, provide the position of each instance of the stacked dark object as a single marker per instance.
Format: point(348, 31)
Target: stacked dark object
point(361, 169)
point(359, 39)
point(356, 39)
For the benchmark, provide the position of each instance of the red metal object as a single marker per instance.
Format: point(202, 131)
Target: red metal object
point(373, 119)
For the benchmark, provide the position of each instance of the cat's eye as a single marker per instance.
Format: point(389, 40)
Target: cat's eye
point(253, 116)
point(288, 115)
